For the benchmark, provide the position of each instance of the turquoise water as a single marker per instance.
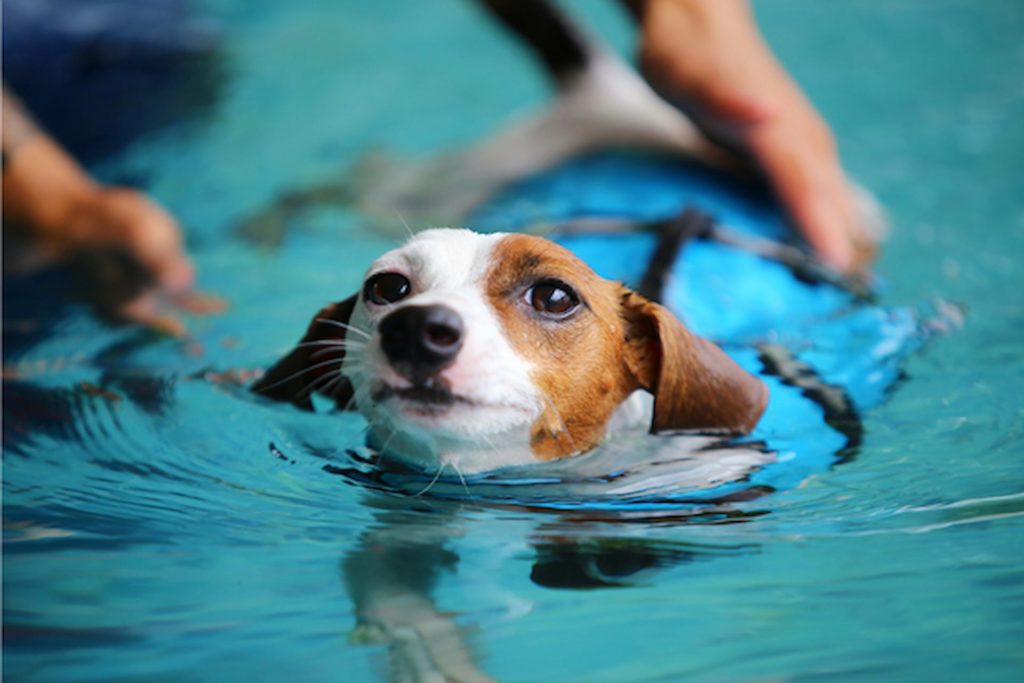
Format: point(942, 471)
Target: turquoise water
point(152, 534)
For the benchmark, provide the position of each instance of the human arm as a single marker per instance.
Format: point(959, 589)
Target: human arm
point(708, 58)
point(127, 248)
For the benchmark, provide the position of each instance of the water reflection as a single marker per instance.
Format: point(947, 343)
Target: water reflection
point(391, 574)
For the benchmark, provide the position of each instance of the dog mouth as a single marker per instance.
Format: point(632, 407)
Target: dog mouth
point(431, 395)
point(434, 405)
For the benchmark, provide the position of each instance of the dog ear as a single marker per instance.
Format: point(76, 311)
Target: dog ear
point(696, 386)
point(295, 377)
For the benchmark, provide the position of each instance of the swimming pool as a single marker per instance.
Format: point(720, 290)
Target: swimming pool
point(152, 534)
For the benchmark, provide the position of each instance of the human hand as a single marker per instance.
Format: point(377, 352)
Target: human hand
point(127, 252)
point(125, 249)
point(708, 58)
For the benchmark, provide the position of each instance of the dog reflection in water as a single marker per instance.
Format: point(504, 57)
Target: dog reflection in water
point(391, 573)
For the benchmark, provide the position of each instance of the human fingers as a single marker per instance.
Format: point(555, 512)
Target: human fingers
point(149, 233)
point(198, 303)
point(146, 310)
point(800, 163)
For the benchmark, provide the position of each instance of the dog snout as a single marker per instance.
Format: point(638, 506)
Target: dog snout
point(421, 341)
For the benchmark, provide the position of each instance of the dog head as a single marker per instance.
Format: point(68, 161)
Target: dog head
point(483, 351)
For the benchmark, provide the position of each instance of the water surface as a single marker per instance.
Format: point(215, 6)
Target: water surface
point(152, 533)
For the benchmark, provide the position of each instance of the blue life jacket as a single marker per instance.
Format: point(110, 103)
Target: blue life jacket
point(745, 302)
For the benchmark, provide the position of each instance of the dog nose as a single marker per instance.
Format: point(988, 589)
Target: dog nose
point(420, 341)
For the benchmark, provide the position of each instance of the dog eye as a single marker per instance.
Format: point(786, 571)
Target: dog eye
point(386, 288)
point(552, 298)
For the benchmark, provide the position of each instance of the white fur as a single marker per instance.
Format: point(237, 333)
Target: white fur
point(446, 266)
point(606, 105)
point(636, 411)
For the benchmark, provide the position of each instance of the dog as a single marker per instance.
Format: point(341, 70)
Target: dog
point(487, 351)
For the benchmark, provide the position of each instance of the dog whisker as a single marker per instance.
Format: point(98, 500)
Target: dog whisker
point(490, 443)
point(347, 343)
point(312, 386)
point(334, 349)
point(404, 222)
point(300, 372)
point(344, 326)
point(391, 436)
point(340, 375)
point(333, 384)
point(351, 402)
point(433, 481)
point(382, 452)
point(461, 478)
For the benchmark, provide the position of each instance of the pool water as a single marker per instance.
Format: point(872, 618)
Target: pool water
point(159, 526)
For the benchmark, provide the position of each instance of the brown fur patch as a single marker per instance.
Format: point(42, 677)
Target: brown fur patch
point(696, 386)
point(299, 374)
point(578, 362)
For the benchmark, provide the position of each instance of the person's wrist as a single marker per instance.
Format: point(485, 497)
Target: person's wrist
point(74, 221)
point(686, 43)
point(45, 193)
point(700, 15)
